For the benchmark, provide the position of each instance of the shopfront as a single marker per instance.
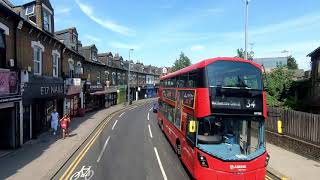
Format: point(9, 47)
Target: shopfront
point(94, 97)
point(41, 95)
point(151, 91)
point(72, 99)
point(111, 96)
point(9, 110)
point(122, 94)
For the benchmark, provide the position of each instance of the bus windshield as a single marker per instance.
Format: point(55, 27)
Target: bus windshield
point(231, 138)
point(230, 74)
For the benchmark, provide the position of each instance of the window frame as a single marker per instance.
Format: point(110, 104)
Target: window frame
point(98, 77)
point(4, 49)
point(48, 24)
point(39, 61)
point(33, 8)
point(55, 65)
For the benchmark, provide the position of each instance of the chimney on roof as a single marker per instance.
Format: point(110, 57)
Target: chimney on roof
point(38, 11)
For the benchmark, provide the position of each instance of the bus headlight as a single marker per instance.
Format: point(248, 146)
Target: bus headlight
point(202, 160)
point(267, 160)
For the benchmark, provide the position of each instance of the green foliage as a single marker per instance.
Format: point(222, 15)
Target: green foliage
point(181, 63)
point(278, 83)
point(241, 53)
point(272, 101)
point(292, 63)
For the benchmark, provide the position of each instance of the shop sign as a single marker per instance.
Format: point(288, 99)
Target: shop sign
point(8, 83)
point(53, 89)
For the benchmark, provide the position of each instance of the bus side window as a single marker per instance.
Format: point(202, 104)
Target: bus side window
point(192, 79)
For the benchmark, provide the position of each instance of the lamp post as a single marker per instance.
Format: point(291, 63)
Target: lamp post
point(246, 31)
point(129, 76)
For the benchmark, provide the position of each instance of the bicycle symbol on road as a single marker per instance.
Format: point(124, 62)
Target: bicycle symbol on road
point(85, 173)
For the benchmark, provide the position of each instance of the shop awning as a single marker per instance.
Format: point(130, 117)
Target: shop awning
point(99, 92)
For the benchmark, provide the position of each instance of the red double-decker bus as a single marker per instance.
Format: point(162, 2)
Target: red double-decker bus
point(213, 114)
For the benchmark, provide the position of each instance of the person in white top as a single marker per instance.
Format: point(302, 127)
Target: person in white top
point(54, 121)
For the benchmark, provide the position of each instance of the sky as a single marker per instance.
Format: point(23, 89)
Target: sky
point(158, 30)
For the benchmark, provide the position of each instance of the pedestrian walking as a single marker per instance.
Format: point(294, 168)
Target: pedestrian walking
point(54, 121)
point(64, 123)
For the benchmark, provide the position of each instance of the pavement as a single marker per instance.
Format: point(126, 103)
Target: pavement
point(118, 143)
point(288, 165)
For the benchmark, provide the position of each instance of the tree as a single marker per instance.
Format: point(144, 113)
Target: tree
point(240, 54)
point(292, 63)
point(181, 63)
point(278, 83)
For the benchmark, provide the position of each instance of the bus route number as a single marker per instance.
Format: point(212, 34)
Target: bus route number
point(250, 104)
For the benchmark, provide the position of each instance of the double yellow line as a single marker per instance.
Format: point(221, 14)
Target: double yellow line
point(77, 160)
point(83, 152)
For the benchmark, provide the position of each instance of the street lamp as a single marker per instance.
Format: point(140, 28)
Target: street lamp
point(129, 76)
point(246, 31)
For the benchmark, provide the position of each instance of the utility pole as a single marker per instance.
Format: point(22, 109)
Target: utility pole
point(129, 76)
point(246, 31)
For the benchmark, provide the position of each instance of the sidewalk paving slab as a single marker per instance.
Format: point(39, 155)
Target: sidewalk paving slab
point(43, 157)
point(291, 165)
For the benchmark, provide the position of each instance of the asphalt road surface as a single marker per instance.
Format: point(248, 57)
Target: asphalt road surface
point(126, 145)
point(130, 145)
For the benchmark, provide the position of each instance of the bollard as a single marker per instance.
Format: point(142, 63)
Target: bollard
point(279, 126)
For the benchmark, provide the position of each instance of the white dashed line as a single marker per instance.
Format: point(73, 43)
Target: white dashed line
point(114, 124)
point(103, 149)
point(160, 164)
point(148, 117)
point(150, 131)
point(122, 114)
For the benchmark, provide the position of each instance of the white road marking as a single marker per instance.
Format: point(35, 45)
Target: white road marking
point(148, 117)
point(150, 109)
point(160, 164)
point(114, 124)
point(122, 114)
point(103, 149)
point(150, 131)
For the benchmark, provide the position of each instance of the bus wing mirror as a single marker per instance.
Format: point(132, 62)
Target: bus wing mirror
point(192, 126)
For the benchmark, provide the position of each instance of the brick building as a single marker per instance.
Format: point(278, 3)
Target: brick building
point(42, 70)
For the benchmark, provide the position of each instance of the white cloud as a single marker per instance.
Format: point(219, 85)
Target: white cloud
point(108, 24)
point(62, 10)
point(120, 45)
point(292, 24)
point(197, 48)
point(92, 38)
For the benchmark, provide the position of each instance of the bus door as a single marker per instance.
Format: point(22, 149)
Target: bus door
point(189, 142)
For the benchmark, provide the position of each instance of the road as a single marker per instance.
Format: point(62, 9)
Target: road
point(127, 145)
point(127, 149)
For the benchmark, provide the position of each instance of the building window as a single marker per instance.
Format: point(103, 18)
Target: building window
point(55, 65)
point(119, 78)
point(47, 21)
point(37, 60)
point(106, 73)
point(94, 56)
point(98, 78)
point(2, 49)
point(71, 68)
point(30, 10)
point(113, 78)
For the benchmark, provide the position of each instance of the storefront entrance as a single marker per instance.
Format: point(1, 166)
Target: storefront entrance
point(7, 128)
